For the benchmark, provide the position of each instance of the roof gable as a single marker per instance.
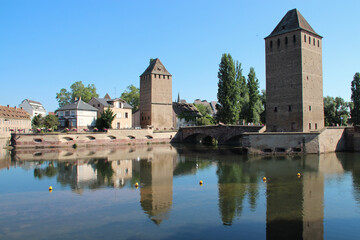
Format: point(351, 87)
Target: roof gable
point(293, 20)
point(156, 67)
point(78, 105)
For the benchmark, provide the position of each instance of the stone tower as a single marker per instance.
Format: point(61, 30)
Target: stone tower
point(294, 85)
point(156, 97)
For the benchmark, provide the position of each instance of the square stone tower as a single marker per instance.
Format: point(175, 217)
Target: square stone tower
point(294, 80)
point(156, 97)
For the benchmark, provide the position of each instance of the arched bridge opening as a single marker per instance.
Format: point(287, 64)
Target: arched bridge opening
point(201, 139)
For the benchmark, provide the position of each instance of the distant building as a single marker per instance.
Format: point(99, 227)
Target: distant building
point(211, 105)
point(184, 114)
point(33, 108)
point(119, 107)
point(79, 115)
point(156, 97)
point(294, 84)
point(13, 120)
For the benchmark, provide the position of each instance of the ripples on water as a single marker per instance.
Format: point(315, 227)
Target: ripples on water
point(94, 194)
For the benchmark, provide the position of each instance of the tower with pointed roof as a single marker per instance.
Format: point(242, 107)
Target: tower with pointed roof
point(156, 97)
point(294, 80)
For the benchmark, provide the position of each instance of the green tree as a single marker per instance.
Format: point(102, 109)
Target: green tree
point(243, 91)
point(335, 111)
point(51, 121)
point(203, 109)
point(132, 96)
point(255, 105)
point(206, 118)
point(263, 102)
point(37, 121)
point(105, 120)
point(355, 98)
point(228, 91)
point(78, 90)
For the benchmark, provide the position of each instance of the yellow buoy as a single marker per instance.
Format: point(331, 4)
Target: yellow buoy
point(136, 185)
point(264, 179)
point(201, 182)
point(50, 189)
point(298, 175)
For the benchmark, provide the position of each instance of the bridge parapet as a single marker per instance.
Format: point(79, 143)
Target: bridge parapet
point(222, 133)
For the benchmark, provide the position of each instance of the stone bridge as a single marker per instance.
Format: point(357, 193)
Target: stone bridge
point(224, 134)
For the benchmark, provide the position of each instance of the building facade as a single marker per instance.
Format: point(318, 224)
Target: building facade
point(33, 108)
point(118, 106)
point(156, 97)
point(294, 80)
point(185, 115)
point(79, 115)
point(13, 120)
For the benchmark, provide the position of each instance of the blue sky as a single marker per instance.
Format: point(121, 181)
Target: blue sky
point(48, 45)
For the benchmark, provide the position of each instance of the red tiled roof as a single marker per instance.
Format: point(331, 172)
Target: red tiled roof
point(13, 113)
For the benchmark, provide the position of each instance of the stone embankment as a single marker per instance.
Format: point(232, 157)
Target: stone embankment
point(111, 137)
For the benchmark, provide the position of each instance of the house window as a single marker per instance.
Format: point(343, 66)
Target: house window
point(126, 115)
point(118, 115)
point(309, 126)
point(98, 104)
point(67, 113)
point(118, 105)
point(275, 109)
point(73, 123)
point(118, 125)
point(73, 113)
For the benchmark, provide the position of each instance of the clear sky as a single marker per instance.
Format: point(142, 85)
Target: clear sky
point(48, 45)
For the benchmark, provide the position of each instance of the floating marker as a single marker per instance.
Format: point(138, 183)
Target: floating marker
point(136, 185)
point(264, 179)
point(298, 175)
point(50, 189)
point(201, 182)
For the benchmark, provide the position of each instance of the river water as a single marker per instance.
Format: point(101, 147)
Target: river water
point(94, 194)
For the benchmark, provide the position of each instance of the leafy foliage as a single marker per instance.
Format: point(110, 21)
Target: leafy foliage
point(105, 120)
point(228, 91)
point(206, 118)
point(37, 121)
point(355, 98)
point(49, 121)
point(255, 105)
point(78, 90)
point(132, 96)
point(243, 91)
point(335, 111)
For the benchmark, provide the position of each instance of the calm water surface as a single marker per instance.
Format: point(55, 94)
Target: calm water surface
point(94, 194)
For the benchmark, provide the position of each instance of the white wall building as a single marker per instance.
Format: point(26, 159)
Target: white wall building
point(79, 115)
point(33, 108)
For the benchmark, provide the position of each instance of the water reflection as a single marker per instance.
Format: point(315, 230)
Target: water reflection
point(294, 207)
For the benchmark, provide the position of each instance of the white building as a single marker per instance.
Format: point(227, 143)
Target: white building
point(79, 115)
point(33, 108)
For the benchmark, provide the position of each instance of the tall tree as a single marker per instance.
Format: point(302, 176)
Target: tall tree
point(243, 91)
point(228, 91)
point(37, 121)
point(335, 111)
point(132, 96)
point(255, 106)
point(355, 98)
point(105, 119)
point(78, 90)
point(51, 121)
point(263, 102)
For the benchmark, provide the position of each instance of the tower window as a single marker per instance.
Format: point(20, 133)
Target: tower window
point(154, 75)
point(314, 41)
point(309, 126)
point(294, 38)
point(290, 108)
point(318, 43)
point(164, 75)
point(271, 44)
point(309, 107)
point(168, 77)
point(275, 109)
point(286, 40)
point(278, 42)
point(309, 40)
point(315, 125)
point(304, 38)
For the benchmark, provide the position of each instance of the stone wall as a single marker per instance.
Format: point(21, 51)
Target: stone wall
point(112, 137)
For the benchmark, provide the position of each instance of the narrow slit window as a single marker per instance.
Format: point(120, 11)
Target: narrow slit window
point(275, 109)
point(304, 38)
point(286, 40)
point(278, 42)
point(294, 38)
point(309, 126)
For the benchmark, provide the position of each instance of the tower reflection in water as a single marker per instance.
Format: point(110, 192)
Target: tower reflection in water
point(294, 206)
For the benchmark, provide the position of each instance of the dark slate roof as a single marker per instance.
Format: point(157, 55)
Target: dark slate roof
point(156, 67)
point(78, 105)
point(187, 109)
point(293, 20)
point(109, 102)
